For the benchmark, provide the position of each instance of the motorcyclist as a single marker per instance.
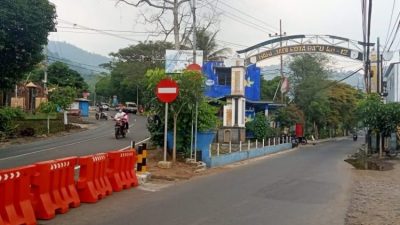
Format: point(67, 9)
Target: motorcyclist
point(124, 118)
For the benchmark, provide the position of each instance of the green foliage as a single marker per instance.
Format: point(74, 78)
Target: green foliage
point(377, 116)
point(288, 116)
point(191, 86)
point(206, 41)
point(8, 117)
point(342, 100)
point(47, 107)
point(24, 27)
point(103, 87)
point(63, 96)
point(268, 88)
point(259, 126)
point(129, 67)
point(61, 75)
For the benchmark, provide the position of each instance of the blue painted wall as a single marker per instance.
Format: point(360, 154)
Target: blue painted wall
point(214, 90)
point(239, 156)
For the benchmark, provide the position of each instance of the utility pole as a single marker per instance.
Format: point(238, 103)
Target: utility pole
point(280, 36)
point(194, 30)
point(194, 62)
point(378, 71)
point(45, 72)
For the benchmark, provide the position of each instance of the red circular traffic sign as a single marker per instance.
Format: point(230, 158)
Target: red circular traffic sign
point(167, 90)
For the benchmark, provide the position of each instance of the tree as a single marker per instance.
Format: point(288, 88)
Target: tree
point(59, 74)
point(206, 41)
point(48, 108)
point(342, 100)
point(129, 67)
point(268, 88)
point(288, 116)
point(259, 126)
point(308, 81)
point(24, 27)
point(63, 96)
point(181, 13)
point(191, 87)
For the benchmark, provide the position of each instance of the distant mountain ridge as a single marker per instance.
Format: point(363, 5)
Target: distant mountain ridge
point(76, 54)
point(84, 62)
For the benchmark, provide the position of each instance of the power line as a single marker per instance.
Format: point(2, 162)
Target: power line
point(333, 83)
point(274, 29)
point(241, 20)
point(58, 58)
point(390, 24)
point(73, 65)
point(100, 31)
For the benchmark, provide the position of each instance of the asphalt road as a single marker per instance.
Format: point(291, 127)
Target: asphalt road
point(301, 187)
point(99, 139)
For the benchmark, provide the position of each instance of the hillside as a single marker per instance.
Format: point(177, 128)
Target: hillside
point(84, 62)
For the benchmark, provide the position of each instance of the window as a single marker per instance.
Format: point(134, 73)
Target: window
point(224, 75)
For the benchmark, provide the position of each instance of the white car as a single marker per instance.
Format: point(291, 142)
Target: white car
point(131, 107)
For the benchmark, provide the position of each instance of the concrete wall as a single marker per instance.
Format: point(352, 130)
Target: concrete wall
point(225, 159)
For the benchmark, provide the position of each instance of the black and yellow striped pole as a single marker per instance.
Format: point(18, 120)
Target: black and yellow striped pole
point(141, 158)
point(144, 157)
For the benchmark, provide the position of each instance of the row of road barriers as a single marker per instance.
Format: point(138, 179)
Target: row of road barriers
point(42, 190)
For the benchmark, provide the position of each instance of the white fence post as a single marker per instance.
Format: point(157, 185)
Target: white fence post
point(230, 146)
point(209, 152)
point(218, 149)
point(248, 145)
point(256, 143)
point(240, 146)
point(274, 140)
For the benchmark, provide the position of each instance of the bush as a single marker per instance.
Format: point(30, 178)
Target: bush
point(259, 126)
point(8, 118)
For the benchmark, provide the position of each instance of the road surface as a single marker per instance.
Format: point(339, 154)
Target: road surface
point(100, 139)
point(309, 186)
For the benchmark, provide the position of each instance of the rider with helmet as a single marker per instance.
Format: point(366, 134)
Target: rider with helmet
point(124, 118)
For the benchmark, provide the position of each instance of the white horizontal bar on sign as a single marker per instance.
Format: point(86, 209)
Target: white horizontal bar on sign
point(167, 90)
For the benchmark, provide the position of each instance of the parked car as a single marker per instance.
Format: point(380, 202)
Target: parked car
point(131, 107)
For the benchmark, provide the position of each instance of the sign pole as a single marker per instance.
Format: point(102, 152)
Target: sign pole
point(165, 131)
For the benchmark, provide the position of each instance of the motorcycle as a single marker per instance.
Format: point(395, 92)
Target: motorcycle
point(354, 137)
point(101, 115)
point(120, 128)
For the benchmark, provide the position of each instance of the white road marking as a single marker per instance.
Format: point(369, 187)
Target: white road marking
point(52, 148)
point(167, 90)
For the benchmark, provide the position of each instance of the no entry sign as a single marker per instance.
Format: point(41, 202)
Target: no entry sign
point(167, 90)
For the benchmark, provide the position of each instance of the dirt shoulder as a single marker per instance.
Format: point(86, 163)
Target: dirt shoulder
point(375, 197)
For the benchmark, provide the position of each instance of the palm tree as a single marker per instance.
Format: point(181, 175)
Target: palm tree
point(206, 41)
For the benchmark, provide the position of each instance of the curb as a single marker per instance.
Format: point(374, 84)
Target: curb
point(143, 177)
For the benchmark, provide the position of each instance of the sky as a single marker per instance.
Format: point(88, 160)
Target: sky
point(242, 23)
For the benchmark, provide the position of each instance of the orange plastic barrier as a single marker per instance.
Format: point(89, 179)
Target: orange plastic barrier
point(121, 169)
point(93, 183)
point(15, 203)
point(53, 187)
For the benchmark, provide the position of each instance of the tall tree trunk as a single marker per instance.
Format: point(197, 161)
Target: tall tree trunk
point(176, 25)
point(174, 145)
